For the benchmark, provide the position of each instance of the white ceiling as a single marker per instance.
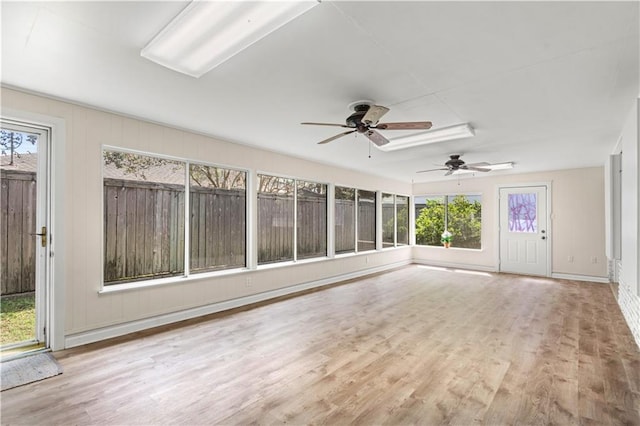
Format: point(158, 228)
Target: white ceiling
point(547, 85)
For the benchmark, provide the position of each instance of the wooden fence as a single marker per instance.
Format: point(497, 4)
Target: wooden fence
point(17, 223)
point(144, 229)
point(345, 224)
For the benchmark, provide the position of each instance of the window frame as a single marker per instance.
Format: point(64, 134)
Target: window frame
point(445, 196)
point(187, 274)
point(295, 259)
point(356, 225)
point(395, 243)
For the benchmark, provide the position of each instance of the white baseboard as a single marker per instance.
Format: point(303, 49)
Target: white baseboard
point(589, 278)
point(117, 330)
point(454, 265)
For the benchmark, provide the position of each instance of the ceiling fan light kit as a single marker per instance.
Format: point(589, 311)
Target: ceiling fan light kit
point(443, 134)
point(207, 33)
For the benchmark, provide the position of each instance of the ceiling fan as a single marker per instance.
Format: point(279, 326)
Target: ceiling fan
point(455, 163)
point(365, 119)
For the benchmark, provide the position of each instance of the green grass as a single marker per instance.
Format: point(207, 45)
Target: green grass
point(17, 319)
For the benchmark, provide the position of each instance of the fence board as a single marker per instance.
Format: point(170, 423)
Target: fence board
point(14, 236)
point(4, 232)
point(121, 243)
point(109, 228)
point(17, 223)
point(345, 232)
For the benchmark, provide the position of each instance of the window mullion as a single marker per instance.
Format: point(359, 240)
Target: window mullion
point(295, 220)
point(187, 221)
point(395, 221)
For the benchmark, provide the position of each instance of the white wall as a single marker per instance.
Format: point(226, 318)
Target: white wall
point(577, 216)
point(629, 281)
point(87, 130)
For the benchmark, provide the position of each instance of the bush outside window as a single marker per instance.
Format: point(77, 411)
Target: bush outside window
point(459, 214)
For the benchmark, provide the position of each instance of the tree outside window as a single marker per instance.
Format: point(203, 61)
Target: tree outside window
point(459, 214)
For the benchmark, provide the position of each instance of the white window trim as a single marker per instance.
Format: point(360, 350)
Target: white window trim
point(187, 275)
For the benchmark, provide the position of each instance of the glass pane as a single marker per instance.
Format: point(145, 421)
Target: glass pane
point(429, 213)
point(18, 198)
point(312, 219)
point(388, 220)
point(345, 220)
point(464, 220)
point(402, 219)
point(275, 219)
point(522, 212)
point(366, 220)
point(143, 217)
point(217, 205)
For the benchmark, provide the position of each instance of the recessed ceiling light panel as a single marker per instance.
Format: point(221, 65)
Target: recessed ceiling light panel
point(432, 136)
point(208, 33)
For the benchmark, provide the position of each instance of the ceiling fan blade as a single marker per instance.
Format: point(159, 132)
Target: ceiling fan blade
point(483, 164)
point(374, 114)
point(332, 138)
point(376, 138)
point(431, 170)
point(409, 125)
point(475, 169)
point(449, 173)
point(325, 124)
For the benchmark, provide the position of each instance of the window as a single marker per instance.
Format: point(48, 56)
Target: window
point(287, 204)
point(459, 214)
point(217, 199)
point(366, 220)
point(146, 219)
point(345, 220)
point(395, 220)
point(355, 220)
point(402, 220)
point(522, 212)
point(388, 220)
point(311, 225)
point(275, 218)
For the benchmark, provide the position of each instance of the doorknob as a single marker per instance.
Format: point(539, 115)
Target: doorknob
point(544, 238)
point(43, 236)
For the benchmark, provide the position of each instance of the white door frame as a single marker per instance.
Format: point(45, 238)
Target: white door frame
point(549, 222)
point(55, 271)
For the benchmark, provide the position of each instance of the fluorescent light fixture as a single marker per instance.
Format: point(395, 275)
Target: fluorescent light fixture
point(498, 166)
point(208, 33)
point(432, 136)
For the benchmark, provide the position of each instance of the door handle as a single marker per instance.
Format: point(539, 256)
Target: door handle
point(43, 236)
point(544, 238)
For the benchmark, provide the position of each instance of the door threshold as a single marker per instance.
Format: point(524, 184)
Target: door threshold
point(20, 350)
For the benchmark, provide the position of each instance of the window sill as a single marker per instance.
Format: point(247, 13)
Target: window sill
point(116, 288)
point(292, 263)
point(450, 248)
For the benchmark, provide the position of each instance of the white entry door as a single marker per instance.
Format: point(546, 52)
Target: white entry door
point(524, 240)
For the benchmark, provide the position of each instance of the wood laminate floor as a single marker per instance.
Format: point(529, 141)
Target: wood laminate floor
point(417, 345)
